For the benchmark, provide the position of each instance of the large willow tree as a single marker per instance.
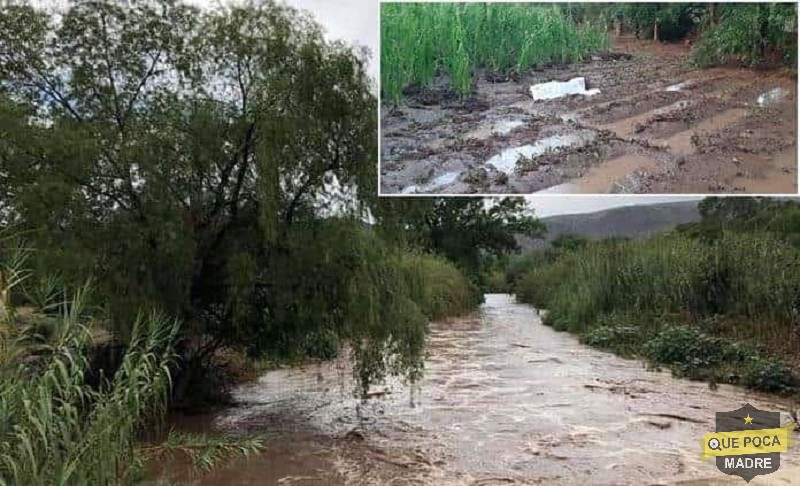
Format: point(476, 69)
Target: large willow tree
point(182, 157)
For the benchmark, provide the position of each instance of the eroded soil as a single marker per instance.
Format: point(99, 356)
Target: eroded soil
point(505, 401)
point(658, 125)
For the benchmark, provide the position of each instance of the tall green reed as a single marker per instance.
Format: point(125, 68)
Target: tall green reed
point(420, 40)
point(752, 277)
point(57, 429)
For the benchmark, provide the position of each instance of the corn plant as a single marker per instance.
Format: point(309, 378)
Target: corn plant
point(421, 40)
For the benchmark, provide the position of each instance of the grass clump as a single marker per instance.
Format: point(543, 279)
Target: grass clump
point(56, 427)
point(420, 40)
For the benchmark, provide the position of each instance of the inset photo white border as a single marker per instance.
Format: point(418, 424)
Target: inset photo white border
point(766, 173)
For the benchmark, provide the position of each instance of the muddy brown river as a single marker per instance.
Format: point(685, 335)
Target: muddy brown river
point(505, 400)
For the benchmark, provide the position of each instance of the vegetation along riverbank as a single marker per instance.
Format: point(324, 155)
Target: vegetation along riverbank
point(713, 300)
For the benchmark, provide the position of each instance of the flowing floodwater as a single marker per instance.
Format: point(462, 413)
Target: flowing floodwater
point(505, 400)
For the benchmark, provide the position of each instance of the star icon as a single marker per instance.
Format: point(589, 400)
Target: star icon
point(748, 419)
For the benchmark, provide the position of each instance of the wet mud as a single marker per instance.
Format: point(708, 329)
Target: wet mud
point(657, 125)
point(505, 400)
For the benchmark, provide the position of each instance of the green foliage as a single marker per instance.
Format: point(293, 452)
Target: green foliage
point(56, 428)
point(437, 286)
point(686, 348)
point(167, 131)
point(764, 373)
point(334, 282)
point(419, 40)
point(752, 33)
point(189, 161)
point(622, 340)
point(683, 299)
point(205, 451)
point(570, 242)
point(473, 233)
point(675, 20)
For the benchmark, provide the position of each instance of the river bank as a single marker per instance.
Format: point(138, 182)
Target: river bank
point(504, 400)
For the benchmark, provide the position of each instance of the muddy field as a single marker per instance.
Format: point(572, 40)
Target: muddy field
point(658, 125)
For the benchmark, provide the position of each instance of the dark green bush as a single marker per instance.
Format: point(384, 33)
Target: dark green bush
point(769, 374)
point(685, 347)
point(623, 340)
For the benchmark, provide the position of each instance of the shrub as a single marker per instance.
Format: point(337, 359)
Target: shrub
point(623, 340)
point(437, 286)
point(686, 348)
point(769, 374)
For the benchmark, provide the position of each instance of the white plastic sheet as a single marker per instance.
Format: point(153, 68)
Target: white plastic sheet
point(772, 96)
point(679, 86)
point(559, 89)
point(506, 161)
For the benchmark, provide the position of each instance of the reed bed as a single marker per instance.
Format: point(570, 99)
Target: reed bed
point(58, 428)
point(647, 298)
point(421, 40)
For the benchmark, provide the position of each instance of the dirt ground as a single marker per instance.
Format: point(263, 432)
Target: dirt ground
point(658, 125)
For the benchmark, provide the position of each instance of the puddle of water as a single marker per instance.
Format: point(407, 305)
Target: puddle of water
point(558, 89)
point(681, 142)
point(772, 96)
point(680, 86)
point(626, 126)
point(506, 161)
point(433, 184)
point(566, 188)
point(503, 127)
point(778, 176)
point(606, 177)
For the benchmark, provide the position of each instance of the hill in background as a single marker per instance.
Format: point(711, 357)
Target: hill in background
point(628, 221)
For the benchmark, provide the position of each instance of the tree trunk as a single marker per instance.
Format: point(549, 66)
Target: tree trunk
point(618, 28)
point(712, 14)
point(655, 31)
point(763, 15)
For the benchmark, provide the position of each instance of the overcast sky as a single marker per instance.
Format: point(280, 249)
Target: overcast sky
point(552, 205)
point(355, 21)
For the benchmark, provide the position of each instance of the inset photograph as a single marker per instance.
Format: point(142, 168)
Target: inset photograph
point(588, 98)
